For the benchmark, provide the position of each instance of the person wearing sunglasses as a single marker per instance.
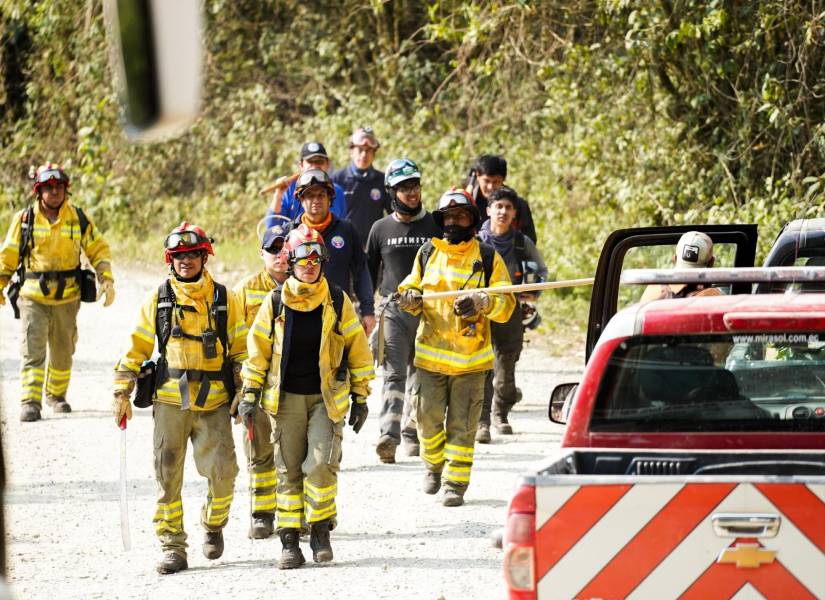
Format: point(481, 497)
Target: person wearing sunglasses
point(347, 264)
point(250, 293)
point(201, 337)
point(309, 362)
point(364, 190)
point(43, 249)
point(453, 350)
point(286, 203)
point(392, 245)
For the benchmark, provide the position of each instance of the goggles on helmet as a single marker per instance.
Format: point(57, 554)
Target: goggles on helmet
point(309, 178)
point(183, 239)
point(48, 174)
point(309, 249)
point(364, 136)
point(455, 199)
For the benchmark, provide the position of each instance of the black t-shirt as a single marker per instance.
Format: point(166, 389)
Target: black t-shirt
point(395, 244)
point(302, 374)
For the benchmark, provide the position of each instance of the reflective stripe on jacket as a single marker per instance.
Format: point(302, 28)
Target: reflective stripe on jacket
point(445, 342)
point(57, 247)
point(262, 370)
point(182, 352)
point(251, 291)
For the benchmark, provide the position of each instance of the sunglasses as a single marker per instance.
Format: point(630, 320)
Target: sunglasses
point(183, 238)
point(409, 188)
point(275, 247)
point(308, 262)
point(51, 174)
point(188, 254)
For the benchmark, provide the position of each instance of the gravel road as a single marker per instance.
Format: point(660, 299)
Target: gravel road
point(393, 541)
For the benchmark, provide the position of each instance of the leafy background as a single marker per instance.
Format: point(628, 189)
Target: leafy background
point(611, 113)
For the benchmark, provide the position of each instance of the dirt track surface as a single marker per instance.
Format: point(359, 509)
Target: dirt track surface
point(393, 541)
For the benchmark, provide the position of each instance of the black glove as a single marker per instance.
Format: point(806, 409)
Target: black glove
point(358, 412)
point(472, 304)
point(247, 407)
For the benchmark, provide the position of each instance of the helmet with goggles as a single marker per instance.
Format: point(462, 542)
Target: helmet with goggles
point(46, 174)
point(186, 238)
point(400, 170)
point(312, 177)
point(456, 198)
point(305, 243)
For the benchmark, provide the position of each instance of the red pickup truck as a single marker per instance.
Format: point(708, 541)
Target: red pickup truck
point(693, 464)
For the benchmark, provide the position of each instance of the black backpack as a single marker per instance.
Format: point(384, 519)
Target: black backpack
point(488, 255)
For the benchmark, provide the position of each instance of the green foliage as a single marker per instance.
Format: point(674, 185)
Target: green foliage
point(610, 113)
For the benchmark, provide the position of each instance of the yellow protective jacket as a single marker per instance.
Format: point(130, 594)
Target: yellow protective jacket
point(262, 370)
point(446, 343)
point(251, 291)
point(57, 247)
point(182, 352)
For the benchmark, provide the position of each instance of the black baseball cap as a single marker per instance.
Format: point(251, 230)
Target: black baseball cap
point(311, 149)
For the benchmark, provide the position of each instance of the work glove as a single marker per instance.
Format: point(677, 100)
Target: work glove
point(410, 300)
point(247, 407)
point(121, 406)
point(358, 412)
point(471, 305)
point(106, 287)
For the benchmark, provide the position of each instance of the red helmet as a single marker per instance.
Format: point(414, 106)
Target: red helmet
point(186, 237)
point(48, 173)
point(305, 242)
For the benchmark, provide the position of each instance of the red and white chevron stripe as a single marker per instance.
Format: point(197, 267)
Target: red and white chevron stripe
point(656, 540)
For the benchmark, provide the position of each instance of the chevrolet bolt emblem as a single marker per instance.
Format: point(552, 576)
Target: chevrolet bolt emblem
point(746, 556)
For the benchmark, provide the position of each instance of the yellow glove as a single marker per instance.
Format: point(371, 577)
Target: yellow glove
point(121, 406)
point(107, 287)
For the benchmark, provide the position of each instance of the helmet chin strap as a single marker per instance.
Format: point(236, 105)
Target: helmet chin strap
point(185, 279)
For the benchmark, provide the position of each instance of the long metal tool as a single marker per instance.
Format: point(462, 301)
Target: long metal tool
point(124, 506)
point(511, 289)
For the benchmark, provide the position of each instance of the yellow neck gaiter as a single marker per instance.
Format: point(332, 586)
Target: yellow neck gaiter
point(302, 296)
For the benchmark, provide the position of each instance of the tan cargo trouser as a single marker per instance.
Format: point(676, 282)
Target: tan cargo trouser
point(214, 448)
point(55, 328)
point(307, 456)
point(260, 463)
point(457, 398)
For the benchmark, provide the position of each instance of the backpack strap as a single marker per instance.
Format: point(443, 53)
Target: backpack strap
point(163, 315)
point(276, 309)
point(220, 313)
point(337, 304)
point(424, 255)
point(26, 233)
point(83, 219)
point(488, 255)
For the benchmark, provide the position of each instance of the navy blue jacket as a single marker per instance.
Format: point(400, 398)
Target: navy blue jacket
point(348, 262)
point(366, 197)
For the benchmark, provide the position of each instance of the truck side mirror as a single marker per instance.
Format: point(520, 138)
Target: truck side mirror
point(156, 55)
point(562, 393)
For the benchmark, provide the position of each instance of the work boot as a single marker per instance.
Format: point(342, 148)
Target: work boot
point(29, 412)
point(453, 497)
point(291, 555)
point(319, 542)
point(260, 527)
point(172, 563)
point(483, 433)
point(58, 404)
point(503, 426)
point(386, 449)
point(432, 482)
point(213, 544)
point(411, 446)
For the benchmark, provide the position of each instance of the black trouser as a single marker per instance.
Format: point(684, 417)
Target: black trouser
point(500, 383)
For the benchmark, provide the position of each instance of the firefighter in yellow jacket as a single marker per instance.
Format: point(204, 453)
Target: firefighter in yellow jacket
point(308, 355)
point(201, 334)
point(452, 346)
point(250, 293)
point(44, 244)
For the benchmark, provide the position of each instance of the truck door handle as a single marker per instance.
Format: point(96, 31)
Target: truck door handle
point(745, 524)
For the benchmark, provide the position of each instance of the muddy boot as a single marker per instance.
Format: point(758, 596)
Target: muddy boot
point(29, 412)
point(432, 482)
point(411, 445)
point(453, 497)
point(58, 404)
point(503, 426)
point(172, 563)
point(261, 527)
point(483, 433)
point(386, 449)
point(291, 555)
point(319, 542)
point(213, 544)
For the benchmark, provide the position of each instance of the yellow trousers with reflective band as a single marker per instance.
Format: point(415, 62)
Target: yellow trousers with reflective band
point(448, 410)
point(53, 327)
point(307, 456)
point(260, 462)
point(214, 448)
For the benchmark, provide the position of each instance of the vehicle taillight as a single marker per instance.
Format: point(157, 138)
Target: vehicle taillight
point(519, 538)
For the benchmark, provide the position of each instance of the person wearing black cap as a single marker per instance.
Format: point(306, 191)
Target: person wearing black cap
point(367, 198)
point(285, 203)
point(250, 293)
